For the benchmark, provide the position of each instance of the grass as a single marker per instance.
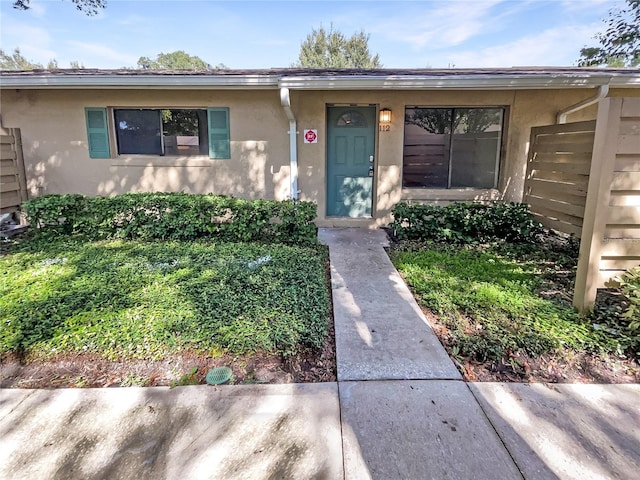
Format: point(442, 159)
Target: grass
point(125, 300)
point(501, 299)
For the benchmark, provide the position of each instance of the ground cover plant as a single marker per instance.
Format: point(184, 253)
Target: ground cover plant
point(156, 288)
point(132, 300)
point(503, 308)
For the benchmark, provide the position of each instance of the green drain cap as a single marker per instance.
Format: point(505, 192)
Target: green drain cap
point(218, 375)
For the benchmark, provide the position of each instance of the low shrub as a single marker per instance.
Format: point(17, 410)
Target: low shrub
point(465, 222)
point(622, 315)
point(174, 216)
point(630, 287)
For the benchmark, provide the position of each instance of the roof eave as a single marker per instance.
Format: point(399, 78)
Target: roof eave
point(625, 82)
point(475, 82)
point(347, 82)
point(181, 82)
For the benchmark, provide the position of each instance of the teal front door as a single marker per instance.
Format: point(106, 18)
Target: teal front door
point(350, 147)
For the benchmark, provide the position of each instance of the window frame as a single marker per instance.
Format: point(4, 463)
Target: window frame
point(137, 158)
point(500, 151)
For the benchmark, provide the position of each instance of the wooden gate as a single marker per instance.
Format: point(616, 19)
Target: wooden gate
point(557, 178)
point(584, 179)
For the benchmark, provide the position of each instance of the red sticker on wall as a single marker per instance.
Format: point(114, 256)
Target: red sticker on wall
point(310, 136)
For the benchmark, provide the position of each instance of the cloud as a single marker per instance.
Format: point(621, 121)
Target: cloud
point(34, 42)
point(605, 5)
point(551, 47)
point(38, 10)
point(37, 54)
point(99, 56)
point(18, 32)
point(444, 25)
point(135, 20)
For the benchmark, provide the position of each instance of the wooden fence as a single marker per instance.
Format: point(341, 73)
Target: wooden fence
point(426, 159)
point(13, 186)
point(611, 229)
point(557, 177)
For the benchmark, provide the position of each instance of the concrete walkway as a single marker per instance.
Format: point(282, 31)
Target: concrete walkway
point(381, 333)
point(398, 411)
point(405, 411)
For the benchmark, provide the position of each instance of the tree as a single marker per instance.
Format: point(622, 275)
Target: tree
point(331, 49)
point(620, 43)
point(88, 7)
point(441, 121)
point(178, 60)
point(16, 61)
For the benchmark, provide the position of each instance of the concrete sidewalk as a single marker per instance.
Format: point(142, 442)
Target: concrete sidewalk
point(297, 432)
point(398, 411)
point(228, 432)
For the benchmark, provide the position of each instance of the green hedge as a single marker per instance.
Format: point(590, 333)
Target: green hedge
point(465, 222)
point(174, 216)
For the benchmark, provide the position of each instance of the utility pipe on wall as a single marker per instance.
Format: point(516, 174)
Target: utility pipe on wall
point(561, 117)
point(285, 101)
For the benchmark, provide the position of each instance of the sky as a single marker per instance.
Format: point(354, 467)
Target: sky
point(264, 34)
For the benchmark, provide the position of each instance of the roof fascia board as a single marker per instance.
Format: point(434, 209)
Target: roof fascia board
point(123, 81)
point(360, 82)
point(475, 82)
point(625, 82)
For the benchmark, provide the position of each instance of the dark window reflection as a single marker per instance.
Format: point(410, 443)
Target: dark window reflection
point(173, 132)
point(451, 147)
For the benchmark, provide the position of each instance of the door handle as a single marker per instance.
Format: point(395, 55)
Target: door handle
point(371, 170)
point(370, 158)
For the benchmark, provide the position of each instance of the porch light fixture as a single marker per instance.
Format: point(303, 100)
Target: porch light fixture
point(385, 115)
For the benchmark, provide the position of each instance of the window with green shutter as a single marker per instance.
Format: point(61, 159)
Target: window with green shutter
point(161, 132)
point(97, 132)
point(219, 141)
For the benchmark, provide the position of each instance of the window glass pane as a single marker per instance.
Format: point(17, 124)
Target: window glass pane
point(425, 161)
point(475, 148)
point(185, 132)
point(351, 119)
point(178, 132)
point(138, 131)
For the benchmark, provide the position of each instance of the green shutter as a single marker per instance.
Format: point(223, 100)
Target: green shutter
point(219, 142)
point(97, 133)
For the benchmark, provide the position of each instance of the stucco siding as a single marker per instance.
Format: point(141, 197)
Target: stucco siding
point(524, 109)
point(57, 158)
